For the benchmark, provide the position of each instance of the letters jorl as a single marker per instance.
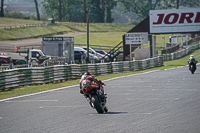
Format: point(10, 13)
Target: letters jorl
point(175, 17)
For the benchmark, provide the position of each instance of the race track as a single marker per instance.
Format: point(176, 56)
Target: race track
point(166, 101)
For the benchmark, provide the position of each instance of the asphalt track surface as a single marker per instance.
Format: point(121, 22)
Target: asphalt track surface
point(166, 101)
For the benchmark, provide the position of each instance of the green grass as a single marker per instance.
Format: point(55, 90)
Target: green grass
point(12, 21)
point(38, 88)
point(103, 39)
point(31, 32)
point(100, 27)
point(47, 30)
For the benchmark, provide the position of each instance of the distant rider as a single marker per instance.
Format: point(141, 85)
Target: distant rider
point(191, 59)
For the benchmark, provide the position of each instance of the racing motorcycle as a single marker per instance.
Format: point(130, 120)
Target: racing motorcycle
point(192, 64)
point(96, 97)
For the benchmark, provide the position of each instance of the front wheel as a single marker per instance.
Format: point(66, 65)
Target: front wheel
point(97, 105)
point(192, 69)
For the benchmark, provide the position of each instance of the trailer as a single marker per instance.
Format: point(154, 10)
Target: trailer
point(59, 47)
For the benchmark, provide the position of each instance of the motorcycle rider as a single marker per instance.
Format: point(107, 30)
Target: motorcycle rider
point(86, 80)
point(191, 59)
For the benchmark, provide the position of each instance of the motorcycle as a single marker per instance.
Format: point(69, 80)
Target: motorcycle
point(96, 97)
point(192, 64)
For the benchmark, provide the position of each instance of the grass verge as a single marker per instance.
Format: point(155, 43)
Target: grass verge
point(38, 88)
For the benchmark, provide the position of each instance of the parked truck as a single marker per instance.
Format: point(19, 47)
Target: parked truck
point(35, 56)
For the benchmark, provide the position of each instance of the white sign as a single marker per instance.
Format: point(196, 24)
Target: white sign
point(175, 21)
point(136, 38)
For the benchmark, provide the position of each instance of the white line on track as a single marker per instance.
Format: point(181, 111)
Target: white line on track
point(23, 101)
point(131, 86)
point(132, 99)
point(3, 100)
point(121, 114)
point(132, 75)
point(66, 91)
point(78, 106)
point(168, 89)
point(154, 95)
point(119, 94)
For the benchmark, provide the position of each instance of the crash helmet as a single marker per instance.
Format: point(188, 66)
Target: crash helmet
point(87, 73)
point(192, 56)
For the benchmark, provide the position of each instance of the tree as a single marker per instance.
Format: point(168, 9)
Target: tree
point(2, 10)
point(60, 11)
point(37, 11)
point(65, 10)
point(51, 8)
point(187, 3)
point(84, 9)
point(74, 10)
point(108, 6)
point(96, 11)
point(100, 10)
point(141, 8)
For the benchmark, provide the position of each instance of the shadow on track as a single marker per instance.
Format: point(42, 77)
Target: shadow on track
point(114, 113)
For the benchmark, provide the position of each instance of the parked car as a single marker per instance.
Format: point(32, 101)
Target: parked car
point(5, 60)
point(79, 54)
point(103, 53)
point(79, 50)
point(100, 56)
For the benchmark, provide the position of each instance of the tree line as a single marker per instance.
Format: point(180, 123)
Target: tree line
point(100, 11)
point(68, 10)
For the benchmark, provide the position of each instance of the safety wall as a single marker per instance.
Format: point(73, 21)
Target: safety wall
point(14, 78)
point(179, 54)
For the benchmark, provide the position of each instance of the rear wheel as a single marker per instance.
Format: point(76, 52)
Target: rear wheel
point(97, 105)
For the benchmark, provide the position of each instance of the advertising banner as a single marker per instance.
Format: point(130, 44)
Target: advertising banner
point(175, 21)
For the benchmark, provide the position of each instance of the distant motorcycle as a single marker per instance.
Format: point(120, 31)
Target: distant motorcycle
point(96, 97)
point(192, 64)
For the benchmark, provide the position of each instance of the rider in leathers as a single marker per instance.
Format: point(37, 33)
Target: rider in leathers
point(191, 59)
point(86, 80)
